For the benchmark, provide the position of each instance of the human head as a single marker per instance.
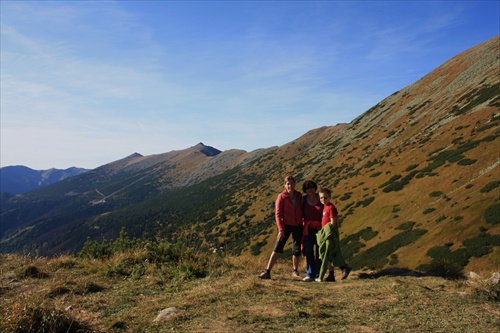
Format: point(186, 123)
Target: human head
point(325, 195)
point(289, 179)
point(289, 183)
point(309, 184)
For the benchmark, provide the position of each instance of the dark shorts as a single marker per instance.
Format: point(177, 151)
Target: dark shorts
point(296, 232)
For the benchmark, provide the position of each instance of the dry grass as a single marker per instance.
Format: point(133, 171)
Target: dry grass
point(235, 300)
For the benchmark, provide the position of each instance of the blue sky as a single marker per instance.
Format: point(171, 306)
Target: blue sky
point(85, 83)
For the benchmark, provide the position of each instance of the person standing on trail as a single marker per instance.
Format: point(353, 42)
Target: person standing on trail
point(288, 214)
point(312, 211)
point(329, 240)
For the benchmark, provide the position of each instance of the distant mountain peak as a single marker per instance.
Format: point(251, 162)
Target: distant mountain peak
point(207, 150)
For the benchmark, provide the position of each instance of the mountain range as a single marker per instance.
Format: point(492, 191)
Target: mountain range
point(416, 180)
point(21, 179)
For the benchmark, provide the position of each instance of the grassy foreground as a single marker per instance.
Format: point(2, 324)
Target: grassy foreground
point(124, 294)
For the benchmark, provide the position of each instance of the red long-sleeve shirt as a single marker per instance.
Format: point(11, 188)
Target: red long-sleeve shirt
point(286, 212)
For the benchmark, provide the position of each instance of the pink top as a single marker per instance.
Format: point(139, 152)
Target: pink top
point(288, 211)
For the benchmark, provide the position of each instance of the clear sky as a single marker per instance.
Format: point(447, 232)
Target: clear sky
point(85, 83)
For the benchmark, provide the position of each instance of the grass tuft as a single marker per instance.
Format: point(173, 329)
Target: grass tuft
point(43, 319)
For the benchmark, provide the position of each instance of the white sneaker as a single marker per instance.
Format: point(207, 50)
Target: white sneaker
point(308, 279)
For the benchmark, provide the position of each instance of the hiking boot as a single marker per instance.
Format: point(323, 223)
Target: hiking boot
point(308, 279)
point(345, 272)
point(330, 277)
point(295, 274)
point(266, 275)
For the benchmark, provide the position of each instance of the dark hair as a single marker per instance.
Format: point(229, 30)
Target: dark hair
point(309, 184)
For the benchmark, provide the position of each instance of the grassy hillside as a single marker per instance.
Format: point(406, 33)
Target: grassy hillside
point(126, 289)
point(418, 172)
point(416, 179)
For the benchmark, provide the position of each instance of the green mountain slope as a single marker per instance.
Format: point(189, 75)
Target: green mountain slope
point(415, 178)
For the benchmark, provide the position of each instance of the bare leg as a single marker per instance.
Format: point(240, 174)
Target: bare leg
point(295, 262)
point(272, 260)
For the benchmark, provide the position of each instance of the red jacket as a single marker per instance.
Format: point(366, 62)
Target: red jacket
point(286, 213)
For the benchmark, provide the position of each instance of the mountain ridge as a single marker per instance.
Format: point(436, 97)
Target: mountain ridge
point(20, 179)
point(412, 176)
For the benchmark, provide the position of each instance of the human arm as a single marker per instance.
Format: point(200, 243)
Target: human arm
point(334, 221)
point(334, 217)
point(279, 212)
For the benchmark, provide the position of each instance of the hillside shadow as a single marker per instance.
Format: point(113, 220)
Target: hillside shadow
point(400, 272)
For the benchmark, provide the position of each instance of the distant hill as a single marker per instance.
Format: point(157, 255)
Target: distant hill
point(416, 179)
point(21, 179)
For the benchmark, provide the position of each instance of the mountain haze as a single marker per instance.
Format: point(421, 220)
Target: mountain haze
point(21, 179)
point(415, 178)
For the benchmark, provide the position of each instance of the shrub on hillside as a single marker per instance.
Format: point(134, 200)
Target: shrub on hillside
point(441, 218)
point(391, 180)
point(376, 256)
point(369, 164)
point(490, 186)
point(406, 225)
point(477, 246)
point(467, 161)
point(365, 202)
point(397, 184)
point(458, 257)
point(443, 268)
point(492, 214)
point(411, 167)
point(346, 196)
point(428, 210)
point(481, 245)
point(367, 233)
point(476, 97)
point(256, 248)
point(351, 244)
point(453, 155)
point(394, 259)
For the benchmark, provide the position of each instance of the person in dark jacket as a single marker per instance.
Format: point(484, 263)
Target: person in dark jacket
point(312, 211)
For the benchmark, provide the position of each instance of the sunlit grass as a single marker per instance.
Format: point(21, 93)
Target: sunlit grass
point(81, 295)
